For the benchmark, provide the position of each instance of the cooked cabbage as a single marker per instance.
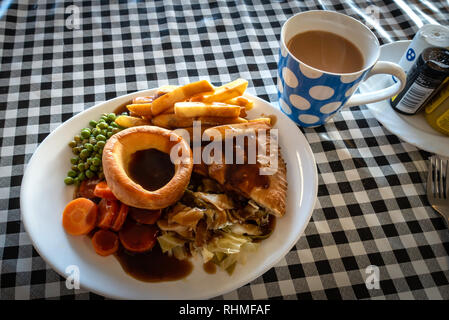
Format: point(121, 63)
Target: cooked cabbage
point(206, 254)
point(220, 200)
point(228, 262)
point(246, 228)
point(180, 252)
point(217, 219)
point(210, 186)
point(218, 226)
point(188, 217)
point(227, 243)
point(168, 241)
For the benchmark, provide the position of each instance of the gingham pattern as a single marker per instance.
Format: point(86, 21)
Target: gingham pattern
point(371, 208)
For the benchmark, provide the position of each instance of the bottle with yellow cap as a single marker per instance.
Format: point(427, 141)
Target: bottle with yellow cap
point(437, 110)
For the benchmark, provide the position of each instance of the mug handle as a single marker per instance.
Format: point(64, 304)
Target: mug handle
point(381, 67)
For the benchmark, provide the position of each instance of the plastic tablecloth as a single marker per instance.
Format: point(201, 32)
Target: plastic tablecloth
point(371, 208)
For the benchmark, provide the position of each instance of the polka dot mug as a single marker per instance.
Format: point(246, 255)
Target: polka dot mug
point(310, 96)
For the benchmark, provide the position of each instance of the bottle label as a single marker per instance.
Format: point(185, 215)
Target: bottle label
point(414, 98)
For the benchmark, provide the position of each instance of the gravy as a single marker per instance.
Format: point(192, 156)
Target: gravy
point(246, 177)
point(151, 168)
point(153, 266)
point(210, 267)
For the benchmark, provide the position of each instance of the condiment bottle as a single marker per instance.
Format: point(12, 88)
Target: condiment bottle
point(429, 71)
point(437, 110)
point(429, 35)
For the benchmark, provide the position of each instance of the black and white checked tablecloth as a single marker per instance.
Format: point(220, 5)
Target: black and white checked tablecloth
point(371, 208)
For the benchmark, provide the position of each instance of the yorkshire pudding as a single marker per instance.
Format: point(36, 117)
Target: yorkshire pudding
point(118, 153)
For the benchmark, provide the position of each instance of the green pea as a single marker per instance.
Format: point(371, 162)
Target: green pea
point(72, 144)
point(76, 181)
point(93, 168)
point(89, 161)
point(115, 130)
point(104, 132)
point(80, 166)
point(114, 125)
point(74, 167)
point(84, 141)
point(101, 120)
point(95, 131)
point(88, 146)
point(77, 138)
point(74, 160)
point(101, 175)
point(81, 176)
point(85, 133)
point(103, 125)
point(111, 117)
point(84, 154)
point(109, 134)
point(68, 180)
point(104, 117)
point(96, 161)
point(72, 173)
point(76, 150)
point(100, 137)
point(93, 123)
point(95, 148)
point(101, 144)
point(89, 174)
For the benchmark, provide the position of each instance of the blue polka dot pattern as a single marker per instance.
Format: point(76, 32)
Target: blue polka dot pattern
point(310, 97)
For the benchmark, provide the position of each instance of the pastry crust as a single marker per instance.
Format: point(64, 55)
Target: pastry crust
point(117, 154)
point(273, 198)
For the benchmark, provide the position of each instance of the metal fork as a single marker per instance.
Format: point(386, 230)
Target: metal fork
point(438, 185)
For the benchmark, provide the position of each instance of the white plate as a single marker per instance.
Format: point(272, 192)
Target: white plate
point(412, 129)
point(43, 197)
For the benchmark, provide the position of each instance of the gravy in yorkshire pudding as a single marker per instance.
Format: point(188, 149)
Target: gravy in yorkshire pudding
point(138, 169)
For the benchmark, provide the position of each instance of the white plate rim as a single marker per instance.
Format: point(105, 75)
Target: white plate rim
point(307, 158)
point(396, 124)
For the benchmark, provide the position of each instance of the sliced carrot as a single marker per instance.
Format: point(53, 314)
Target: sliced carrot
point(108, 210)
point(105, 242)
point(102, 191)
point(86, 189)
point(144, 216)
point(138, 237)
point(79, 216)
point(121, 217)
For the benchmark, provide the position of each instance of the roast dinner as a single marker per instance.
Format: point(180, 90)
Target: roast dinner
point(172, 176)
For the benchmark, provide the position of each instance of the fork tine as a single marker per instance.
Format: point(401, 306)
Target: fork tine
point(429, 185)
point(438, 185)
point(440, 178)
point(440, 192)
point(446, 176)
point(434, 177)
